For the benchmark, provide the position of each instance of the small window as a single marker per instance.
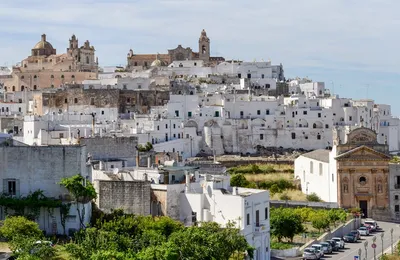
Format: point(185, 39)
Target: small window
point(12, 185)
point(262, 76)
point(92, 101)
point(319, 114)
point(318, 137)
point(249, 75)
point(174, 126)
point(52, 76)
point(216, 114)
point(396, 208)
point(293, 135)
point(166, 126)
point(158, 127)
point(257, 218)
point(326, 126)
point(267, 112)
point(248, 219)
point(258, 112)
point(266, 213)
point(75, 100)
point(189, 114)
point(261, 136)
point(363, 180)
point(102, 112)
point(396, 197)
point(66, 101)
point(61, 135)
point(187, 135)
point(20, 109)
point(128, 100)
point(174, 135)
point(73, 76)
point(304, 112)
point(176, 112)
point(239, 76)
point(34, 87)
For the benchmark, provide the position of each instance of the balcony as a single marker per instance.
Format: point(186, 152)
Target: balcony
point(397, 186)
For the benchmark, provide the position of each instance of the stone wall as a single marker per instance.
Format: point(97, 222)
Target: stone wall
point(131, 196)
point(103, 148)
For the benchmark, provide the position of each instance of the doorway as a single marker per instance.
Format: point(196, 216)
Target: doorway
point(364, 208)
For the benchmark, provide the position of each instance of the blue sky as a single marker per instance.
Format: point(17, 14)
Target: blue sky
point(352, 43)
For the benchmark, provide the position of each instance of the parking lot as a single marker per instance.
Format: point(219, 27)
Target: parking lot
point(352, 249)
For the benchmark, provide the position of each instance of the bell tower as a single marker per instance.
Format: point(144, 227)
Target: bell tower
point(204, 47)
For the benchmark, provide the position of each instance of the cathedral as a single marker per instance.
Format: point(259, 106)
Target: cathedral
point(178, 54)
point(44, 68)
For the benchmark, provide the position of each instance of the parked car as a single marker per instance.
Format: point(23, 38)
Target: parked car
point(356, 233)
point(334, 244)
point(319, 250)
point(310, 253)
point(339, 241)
point(373, 223)
point(326, 247)
point(350, 237)
point(363, 231)
point(368, 226)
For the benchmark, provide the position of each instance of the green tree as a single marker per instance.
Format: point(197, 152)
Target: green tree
point(20, 226)
point(82, 191)
point(238, 180)
point(274, 189)
point(255, 169)
point(305, 213)
point(320, 220)
point(313, 197)
point(285, 223)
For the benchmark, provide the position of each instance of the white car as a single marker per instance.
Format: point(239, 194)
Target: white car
point(339, 241)
point(310, 254)
point(363, 231)
point(319, 249)
point(372, 223)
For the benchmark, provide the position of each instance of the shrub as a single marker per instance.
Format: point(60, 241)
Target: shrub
point(14, 226)
point(313, 197)
point(281, 245)
point(269, 169)
point(274, 189)
point(238, 180)
point(284, 196)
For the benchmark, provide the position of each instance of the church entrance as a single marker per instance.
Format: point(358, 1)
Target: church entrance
point(364, 208)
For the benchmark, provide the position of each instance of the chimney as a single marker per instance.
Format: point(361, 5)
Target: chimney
point(43, 37)
point(187, 176)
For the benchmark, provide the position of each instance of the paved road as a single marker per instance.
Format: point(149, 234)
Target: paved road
point(352, 249)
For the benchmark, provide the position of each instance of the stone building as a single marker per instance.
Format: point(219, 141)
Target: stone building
point(355, 173)
point(178, 54)
point(77, 99)
point(394, 190)
point(44, 68)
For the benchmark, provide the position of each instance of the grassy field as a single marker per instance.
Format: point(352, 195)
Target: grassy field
point(295, 195)
point(263, 168)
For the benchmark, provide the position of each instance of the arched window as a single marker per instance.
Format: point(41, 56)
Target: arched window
point(314, 125)
point(62, 76)
point(204, 49)
point(5, 88)
point(52, 76)
point(191, 92)
point(34, 87)
point(22, 88)
point(87, 60)
point(35, 77)
point(13, 88)
point(362, 180)
point(135, 63)
point(22, 77)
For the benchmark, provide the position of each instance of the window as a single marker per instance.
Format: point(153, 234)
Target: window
point(320, 169)
point(75, 100)
point(35, 77)
point(176, 112)
point(319, 114)
point(396, 208)
point(174, 135)
point(249, 75)
point(174, 126)
point(318, 137)
point(262, 76)
point(258, 112)
point(73, 76)
point(216, 114)
point(11, 187)
point(66, 100)
point(350, 118)
point(92, 101)
point(13, 88)
point(145, 63)
point(179, 136)
point(135, 64)
point(326, 126)
point(267, 112)
point(241, 114)
point(396, 197)
point(34, 87)
point(239, 76)
point(61, 135)
point(293, 135)
point(166, 126)
point(102, 112)
point(266, 213)
point(158, 127)
point(248, 219)
point(201, 114)
point(20, 109)
point(261, 136)
point(195, 64)
point(304, 112)
point(311, 167)
point(363, 180)
point(187, 135)
point(166, 137)
point(189, 114)
point(257, 218)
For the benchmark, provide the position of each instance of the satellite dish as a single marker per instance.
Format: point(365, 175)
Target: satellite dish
point(115, 171)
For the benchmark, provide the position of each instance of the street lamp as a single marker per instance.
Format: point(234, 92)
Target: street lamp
point(366, 250)
point(382, 241)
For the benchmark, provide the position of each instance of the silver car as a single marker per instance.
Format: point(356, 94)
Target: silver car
point(363, 231)
point(339, 241)
point(319, 249)
point(310, 253)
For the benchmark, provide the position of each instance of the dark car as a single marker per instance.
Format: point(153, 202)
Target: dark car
point(356, 233)
point(351, 238)
point(335, 246)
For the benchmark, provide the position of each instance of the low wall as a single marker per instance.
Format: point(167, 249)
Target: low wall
point(296, 204)
point(292, 252)
point(338, 232)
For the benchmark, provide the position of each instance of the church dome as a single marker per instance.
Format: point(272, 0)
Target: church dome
point(43, 44)
point(157, 62)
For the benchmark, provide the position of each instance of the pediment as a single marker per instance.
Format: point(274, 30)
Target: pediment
point(362, 135)
point(363, 153)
